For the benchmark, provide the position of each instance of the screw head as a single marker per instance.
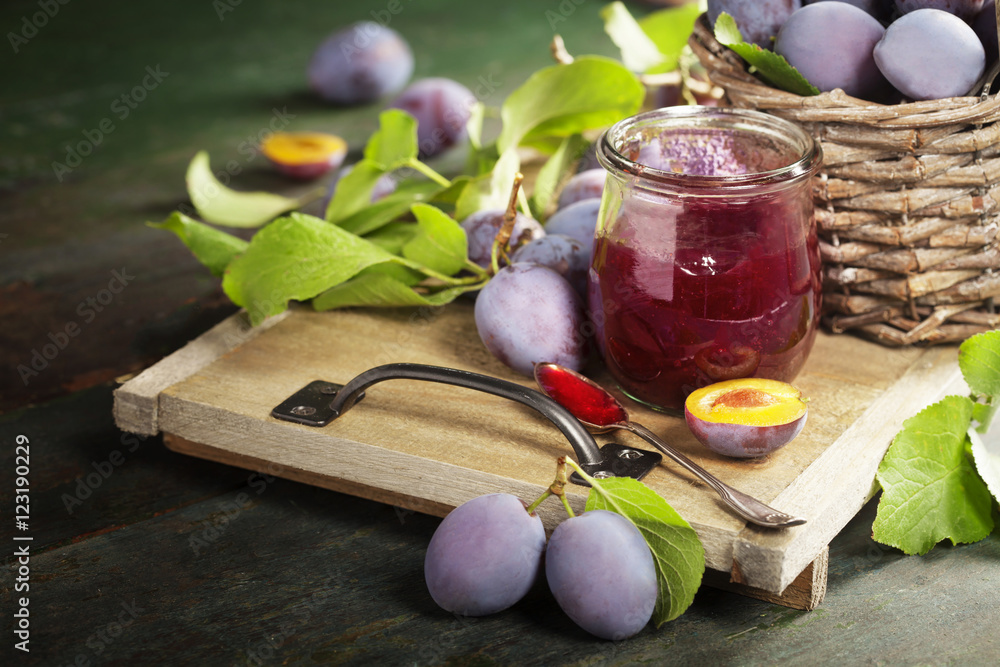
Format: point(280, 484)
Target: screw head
point(328, 391)
point(629, 454)
point(303, 410)
point(603, 474)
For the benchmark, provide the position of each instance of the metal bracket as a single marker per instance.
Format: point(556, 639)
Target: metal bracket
point(310, 405)
point(319, 403)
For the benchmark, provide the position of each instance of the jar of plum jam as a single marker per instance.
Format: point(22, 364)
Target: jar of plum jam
point(706, 264)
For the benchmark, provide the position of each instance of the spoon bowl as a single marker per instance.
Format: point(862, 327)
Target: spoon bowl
point(600, 412)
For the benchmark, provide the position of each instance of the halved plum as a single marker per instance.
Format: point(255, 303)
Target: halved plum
point(747, 417)
point(304, 155)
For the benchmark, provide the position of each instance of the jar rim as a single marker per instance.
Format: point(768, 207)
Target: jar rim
point(698, 117)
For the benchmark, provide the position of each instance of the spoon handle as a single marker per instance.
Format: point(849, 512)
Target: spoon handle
point(746, 506)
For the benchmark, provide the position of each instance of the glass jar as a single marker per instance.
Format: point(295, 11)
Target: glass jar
point(706, 264)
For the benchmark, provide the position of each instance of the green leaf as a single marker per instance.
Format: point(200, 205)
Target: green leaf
point(501, 181)
point(354, 191)
point(474, 126)
point(440, 244)
point(472, 197)
point(400, 273)
point(451, 194)
point(380, 289)
point(677, 551)
point(930, 490)
point(212, 247)
point(979, 359)
point(296, 257)
point(369, 218)
point(982, 414)
point(563, 100)
point(769, 65)
point(552, 172)
point(393, 236)
point(670, 29)
point(223, 206)
point(395, 142)
point(639, 52)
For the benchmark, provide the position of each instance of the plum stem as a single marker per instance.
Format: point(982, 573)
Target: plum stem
point(556, 488)
point(559, 52)
point(597, 488)
point(506, 229)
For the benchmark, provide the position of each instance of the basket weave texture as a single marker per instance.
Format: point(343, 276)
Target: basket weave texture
point(907, 204)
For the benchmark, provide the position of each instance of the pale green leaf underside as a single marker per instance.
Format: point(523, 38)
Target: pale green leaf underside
point(639, 53)
point(552, 172)
point(986, 456)
point(223, 206)
point(677, 551)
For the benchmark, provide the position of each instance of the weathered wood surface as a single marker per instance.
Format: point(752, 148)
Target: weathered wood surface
point(234, 602)
point(444, 445)
point(229, 73)
point(175, 560)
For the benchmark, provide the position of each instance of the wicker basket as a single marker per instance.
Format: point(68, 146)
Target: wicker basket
point(907, 204)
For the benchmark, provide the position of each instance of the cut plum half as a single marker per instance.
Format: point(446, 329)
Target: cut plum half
point(746, 418)
point(304, 155)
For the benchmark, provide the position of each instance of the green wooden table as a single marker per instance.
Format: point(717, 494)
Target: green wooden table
point(142, 555)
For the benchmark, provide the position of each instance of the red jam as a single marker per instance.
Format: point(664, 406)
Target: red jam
point(704, 269)
point(589, 404)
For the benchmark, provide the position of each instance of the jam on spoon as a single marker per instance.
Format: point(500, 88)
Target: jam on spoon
point(599, 411)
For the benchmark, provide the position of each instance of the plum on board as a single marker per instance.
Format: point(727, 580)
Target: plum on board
point(747, 417)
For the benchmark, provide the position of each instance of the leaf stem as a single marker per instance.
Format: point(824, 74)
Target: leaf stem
point(417, 165)
point(478, 270)
point(596, 486)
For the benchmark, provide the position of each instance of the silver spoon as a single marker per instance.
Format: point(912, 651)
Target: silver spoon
point(601, 412)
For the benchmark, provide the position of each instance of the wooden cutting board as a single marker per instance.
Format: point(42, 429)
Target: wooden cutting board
point(430, 447)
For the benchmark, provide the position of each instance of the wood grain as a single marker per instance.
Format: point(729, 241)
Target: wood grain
point(444, 445)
